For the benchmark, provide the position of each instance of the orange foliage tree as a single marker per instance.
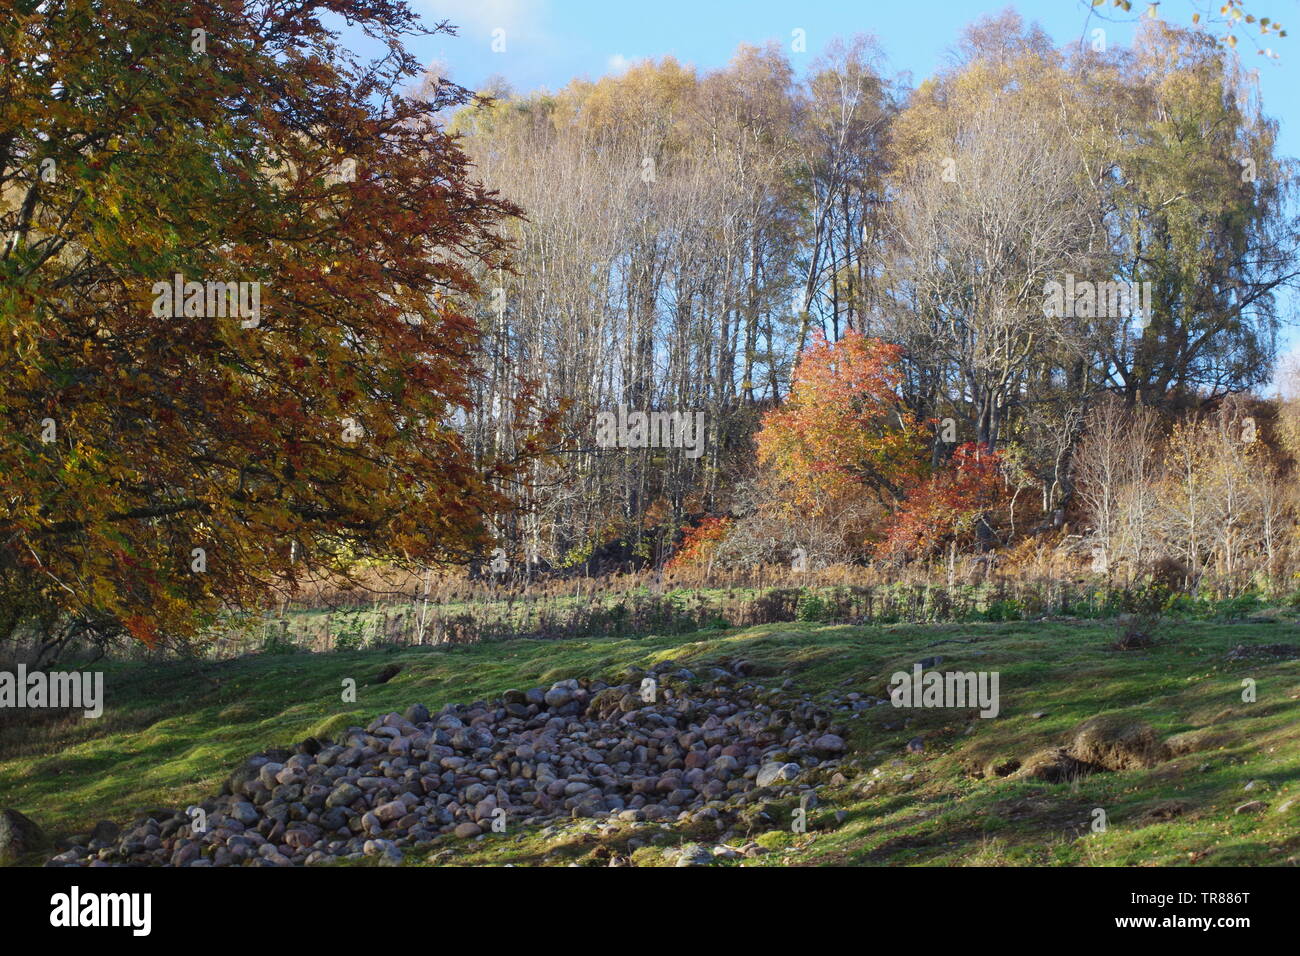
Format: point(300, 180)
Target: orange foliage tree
point(843, 430)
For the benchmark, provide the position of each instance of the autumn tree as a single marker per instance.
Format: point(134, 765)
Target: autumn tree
point(842, 435)
point(1197, 207)
point(652, 270)
point(955, 507)
point(975, 238)
point(236, 267)
point(1217, 507)
point(1220, 18)
point(845, 109)
point(1117, 472)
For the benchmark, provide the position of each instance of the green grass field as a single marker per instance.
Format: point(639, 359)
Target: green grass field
point(171, 733)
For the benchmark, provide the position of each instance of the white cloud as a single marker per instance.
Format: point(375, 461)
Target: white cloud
point(526, 51)
point(520, 19)
point(617, 63)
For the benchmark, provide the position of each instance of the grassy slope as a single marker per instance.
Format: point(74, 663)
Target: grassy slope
point(171, 734)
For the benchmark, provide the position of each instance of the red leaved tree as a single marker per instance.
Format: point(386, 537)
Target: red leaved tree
point(954, 505)
point(699, 544)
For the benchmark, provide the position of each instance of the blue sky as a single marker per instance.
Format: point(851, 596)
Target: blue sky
point(548, 42)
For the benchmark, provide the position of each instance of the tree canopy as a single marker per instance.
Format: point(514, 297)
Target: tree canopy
point(296, 406)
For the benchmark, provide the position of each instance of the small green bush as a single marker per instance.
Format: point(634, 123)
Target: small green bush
point(348, 640)
point(279, 643)
point(1230, 609)
point(812, 609)
point(1004, 609)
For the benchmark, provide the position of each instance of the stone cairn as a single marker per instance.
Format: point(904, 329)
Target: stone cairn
point(662, 747)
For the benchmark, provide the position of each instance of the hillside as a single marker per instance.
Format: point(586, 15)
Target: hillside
point(919, 786)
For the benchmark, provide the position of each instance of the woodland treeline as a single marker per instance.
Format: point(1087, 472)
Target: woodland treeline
point(900, 316)
point(687, 234)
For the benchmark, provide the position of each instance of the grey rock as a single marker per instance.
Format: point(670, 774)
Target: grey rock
point(829, 744)
point(105, 830)
point(245, 813)
point(694, 855)
point(344, 795)
point(558, 696)
point(776, 772)
point(19, 835)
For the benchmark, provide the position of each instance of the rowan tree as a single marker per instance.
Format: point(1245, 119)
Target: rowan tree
point(842, 431)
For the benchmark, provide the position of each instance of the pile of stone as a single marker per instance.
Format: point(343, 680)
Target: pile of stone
point(663, 745)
